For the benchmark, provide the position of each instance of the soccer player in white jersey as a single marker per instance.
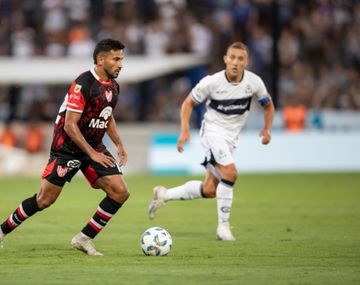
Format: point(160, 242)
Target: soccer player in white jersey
point(227, 95)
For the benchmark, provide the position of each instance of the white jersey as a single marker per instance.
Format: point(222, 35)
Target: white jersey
point(228, 104)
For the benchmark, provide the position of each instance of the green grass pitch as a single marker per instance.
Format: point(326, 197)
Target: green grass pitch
point(290, 229)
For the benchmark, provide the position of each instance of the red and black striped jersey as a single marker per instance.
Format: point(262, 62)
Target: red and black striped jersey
point(95, 100)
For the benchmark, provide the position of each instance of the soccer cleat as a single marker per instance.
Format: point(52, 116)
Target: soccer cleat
point(224, 232)
point(2, 236)
point(157, 202)
point(84, 243)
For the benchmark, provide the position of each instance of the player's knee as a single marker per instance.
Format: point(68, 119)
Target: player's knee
point(120, 197)
point(233, 175)
point(125, 195)
point(230, 175)
point(119, 194)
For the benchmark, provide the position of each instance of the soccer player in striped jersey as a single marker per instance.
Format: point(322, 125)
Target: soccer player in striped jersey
point(227, 95)
point(84, 118)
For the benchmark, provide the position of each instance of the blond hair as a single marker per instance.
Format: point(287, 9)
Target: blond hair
point(239, 45)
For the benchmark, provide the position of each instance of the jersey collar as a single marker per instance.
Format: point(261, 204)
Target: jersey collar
point(92, 70)
point(234, 83)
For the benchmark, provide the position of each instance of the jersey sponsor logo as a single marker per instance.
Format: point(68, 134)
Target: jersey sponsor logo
point(72, 164)
point(108, 95)
point(231, 106)
point(106, 113)
point(61, 171)
point(102, 121)
point(98, 124)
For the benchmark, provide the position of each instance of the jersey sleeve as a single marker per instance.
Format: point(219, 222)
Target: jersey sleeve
point(76, 99)
point(262, 94)
point(201, 91)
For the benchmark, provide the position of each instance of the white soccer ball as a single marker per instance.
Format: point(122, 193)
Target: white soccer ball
point(156, 241)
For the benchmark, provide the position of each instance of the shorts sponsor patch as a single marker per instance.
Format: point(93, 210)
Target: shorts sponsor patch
point(72, 164)
point(221, 154)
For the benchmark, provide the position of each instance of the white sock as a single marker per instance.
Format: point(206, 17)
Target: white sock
point(188, 191)
point(224, 197)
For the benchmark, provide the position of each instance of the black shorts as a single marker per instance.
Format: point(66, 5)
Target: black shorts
point(62, 167)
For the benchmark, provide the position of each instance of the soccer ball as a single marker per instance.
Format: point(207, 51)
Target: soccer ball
point(156, 241)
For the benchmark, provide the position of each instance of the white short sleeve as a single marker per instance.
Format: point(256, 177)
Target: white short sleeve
point(201, 91)
point(261, 92)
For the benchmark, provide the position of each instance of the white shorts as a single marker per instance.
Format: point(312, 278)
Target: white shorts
point(222, 151)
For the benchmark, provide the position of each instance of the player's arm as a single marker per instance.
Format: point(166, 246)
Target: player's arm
point(72, 130)
point(114, 136)
point(269, 111)
point(185, 115)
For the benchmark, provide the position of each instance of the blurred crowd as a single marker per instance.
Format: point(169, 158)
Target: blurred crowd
point(317, 64)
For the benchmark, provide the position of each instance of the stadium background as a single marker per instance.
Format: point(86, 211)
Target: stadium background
point(308, 53)
point(291, 228)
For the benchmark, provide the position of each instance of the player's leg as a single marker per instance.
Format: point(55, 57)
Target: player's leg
point(46, 196)
point(224, 198)
point(222, 166)
point(193, 189)
point(111, 181)
point(188, 191)
point(55, 174)
point(116, 194)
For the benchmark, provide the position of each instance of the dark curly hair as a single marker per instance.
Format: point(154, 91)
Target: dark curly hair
point(106, 46)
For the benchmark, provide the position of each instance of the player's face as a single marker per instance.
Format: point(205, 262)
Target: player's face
point(236, 60)
point(113, 63)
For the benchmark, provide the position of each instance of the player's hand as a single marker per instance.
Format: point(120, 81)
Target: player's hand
point(183, 137)
point(122, 155)
point(103, 159)
point(265, 135)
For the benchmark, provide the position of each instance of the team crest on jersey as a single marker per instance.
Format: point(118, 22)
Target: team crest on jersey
point(248, 90)
point(77, 88)
point(61, 171)
point(108, 95)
